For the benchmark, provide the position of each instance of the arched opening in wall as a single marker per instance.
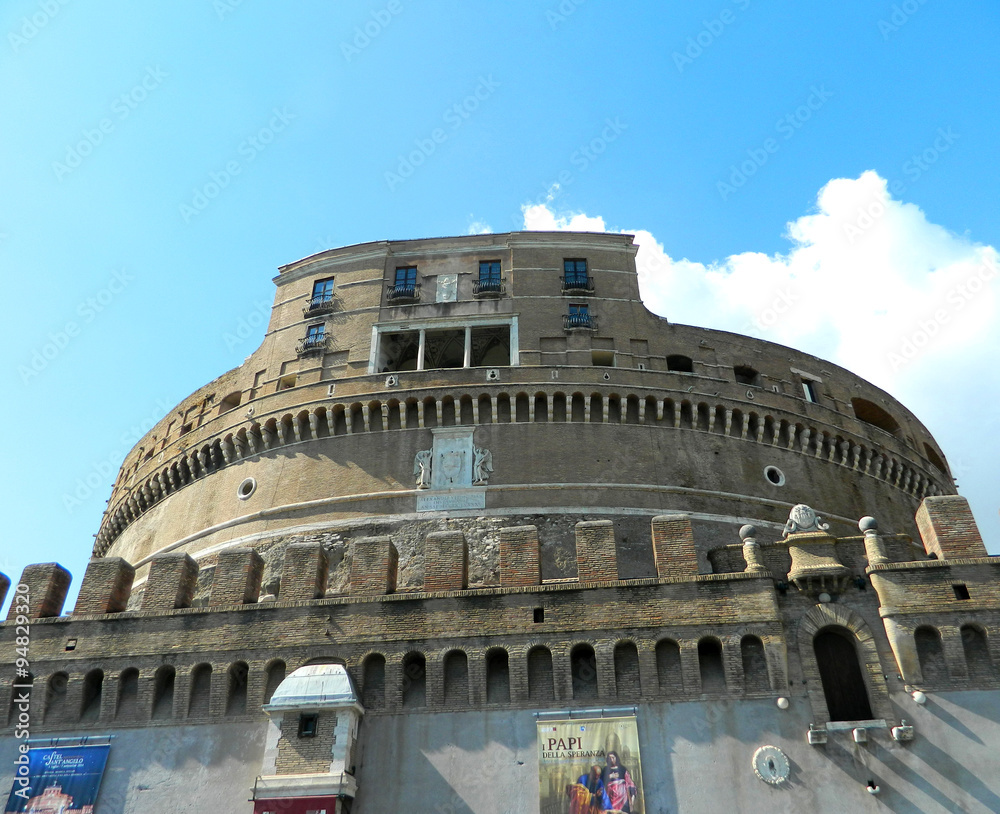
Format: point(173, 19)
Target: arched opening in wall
point(649, 413)
point(199, 703)
point(935, 459)
point(746, 375)
point(596, 408)
point(559, 407)
point(127, 707)
point(373, 681)
point(540, 678)
point(670, 412)
point(486, 410)
point(431, 413)
point(274, 676)
point(412, 413)
point(305, 428)
point(719, 425)
point(627, 670)
point(977, 653)
point(840, 673)
point(930, 654)
point(503, 409)
point(490, 346)
point(414, 681)
point(736, 429)
point(680, 364)
point(521, 407)
point(497, 677)
point(230, 402)
point(668, 667)
point(55, 698)
point(768, 437)
point(687, 415)
point(784, 434)
point(614, 409)
point(287, 430)
point(163, 693)
point(236, 689)
point(754, 664)
point(20, 692)
point(444, 348)
point(393, 419)
point(710, 665)
point(871, 413)
point(356, 418)
point(631, 410)
point(456, 679)
point(448, 412)
point(93, 690)
point(541, 408)
point(753, 426)
point(466, 415)
point(375, 423)
point(703, 417)
point(578, 411)
point(583, 665)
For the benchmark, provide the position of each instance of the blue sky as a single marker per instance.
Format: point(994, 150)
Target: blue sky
point(160, 163)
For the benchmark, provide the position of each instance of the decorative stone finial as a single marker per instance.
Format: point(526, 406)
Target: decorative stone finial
point(748, 531)
point(802, 518)
point(867, 524)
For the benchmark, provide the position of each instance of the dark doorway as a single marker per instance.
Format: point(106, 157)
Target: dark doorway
point(840, 672)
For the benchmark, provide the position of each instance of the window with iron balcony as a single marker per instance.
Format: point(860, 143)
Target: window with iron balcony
point(405, 287)
point(579, 316)
point(575, 279)
point(321, 299)
point(314, 341)
point(490, 283)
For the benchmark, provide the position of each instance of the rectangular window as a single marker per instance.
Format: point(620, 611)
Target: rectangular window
point(961, 591)
point(575, 273)
point(406, 277)
point(322, 291)
point(315, 334)
point(810, 391)
point(307, 725)
point(579, 316)
point(489, 271)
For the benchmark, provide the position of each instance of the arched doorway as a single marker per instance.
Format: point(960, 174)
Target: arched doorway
point(840, 671)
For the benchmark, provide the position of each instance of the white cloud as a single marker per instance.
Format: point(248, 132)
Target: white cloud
point(478, 227)
point(869, 283)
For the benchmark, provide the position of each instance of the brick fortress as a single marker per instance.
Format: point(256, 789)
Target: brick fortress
point(465, 482)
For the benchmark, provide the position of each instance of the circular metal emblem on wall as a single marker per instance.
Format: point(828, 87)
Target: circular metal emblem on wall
point(771, 765)
point(247, 488)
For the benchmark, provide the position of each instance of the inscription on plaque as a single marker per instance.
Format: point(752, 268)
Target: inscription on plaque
point(441, 501)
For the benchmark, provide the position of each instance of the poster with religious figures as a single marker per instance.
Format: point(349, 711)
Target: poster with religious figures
point(590, 765)
point(54, 778)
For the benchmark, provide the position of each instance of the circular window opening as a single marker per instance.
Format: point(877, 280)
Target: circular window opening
point(774, 475)
point(247, 488)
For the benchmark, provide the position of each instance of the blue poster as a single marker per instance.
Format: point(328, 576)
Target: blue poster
point(57, 778)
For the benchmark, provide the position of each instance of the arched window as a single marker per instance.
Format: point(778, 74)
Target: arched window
point(713, 673)
point(163, 692)
point(871, 413)
point(540, 684)
point(275, 675)
point(497, 677)
point(128, 694)
point(236, 689)
point(583, 664)
point(754, 664)
point(456, 679)
point(93, 690)
point(680, 364)
point(201, 691)
point(746, 375)
point(668, 667)
point(414, 680)
point(373, 687)
point(930, 653)
point(55, 697)
point(840, 671)
point(626, 670)
point(977, 653)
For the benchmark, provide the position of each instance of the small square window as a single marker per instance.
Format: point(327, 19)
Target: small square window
point(308, 724)
point(406, 277)
point(810, 391)
point(71, 644)
point(539, 615)
point(315, 333)
point(961, 591)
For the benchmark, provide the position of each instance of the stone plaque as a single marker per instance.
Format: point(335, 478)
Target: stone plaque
point(447, 287)
point(442, 501)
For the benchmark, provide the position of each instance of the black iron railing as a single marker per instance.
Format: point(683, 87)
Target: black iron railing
point(406, 292)
point(489, 288)
point(318, 305)
point(577, 283)
point(312, 344)
point(586, 321)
